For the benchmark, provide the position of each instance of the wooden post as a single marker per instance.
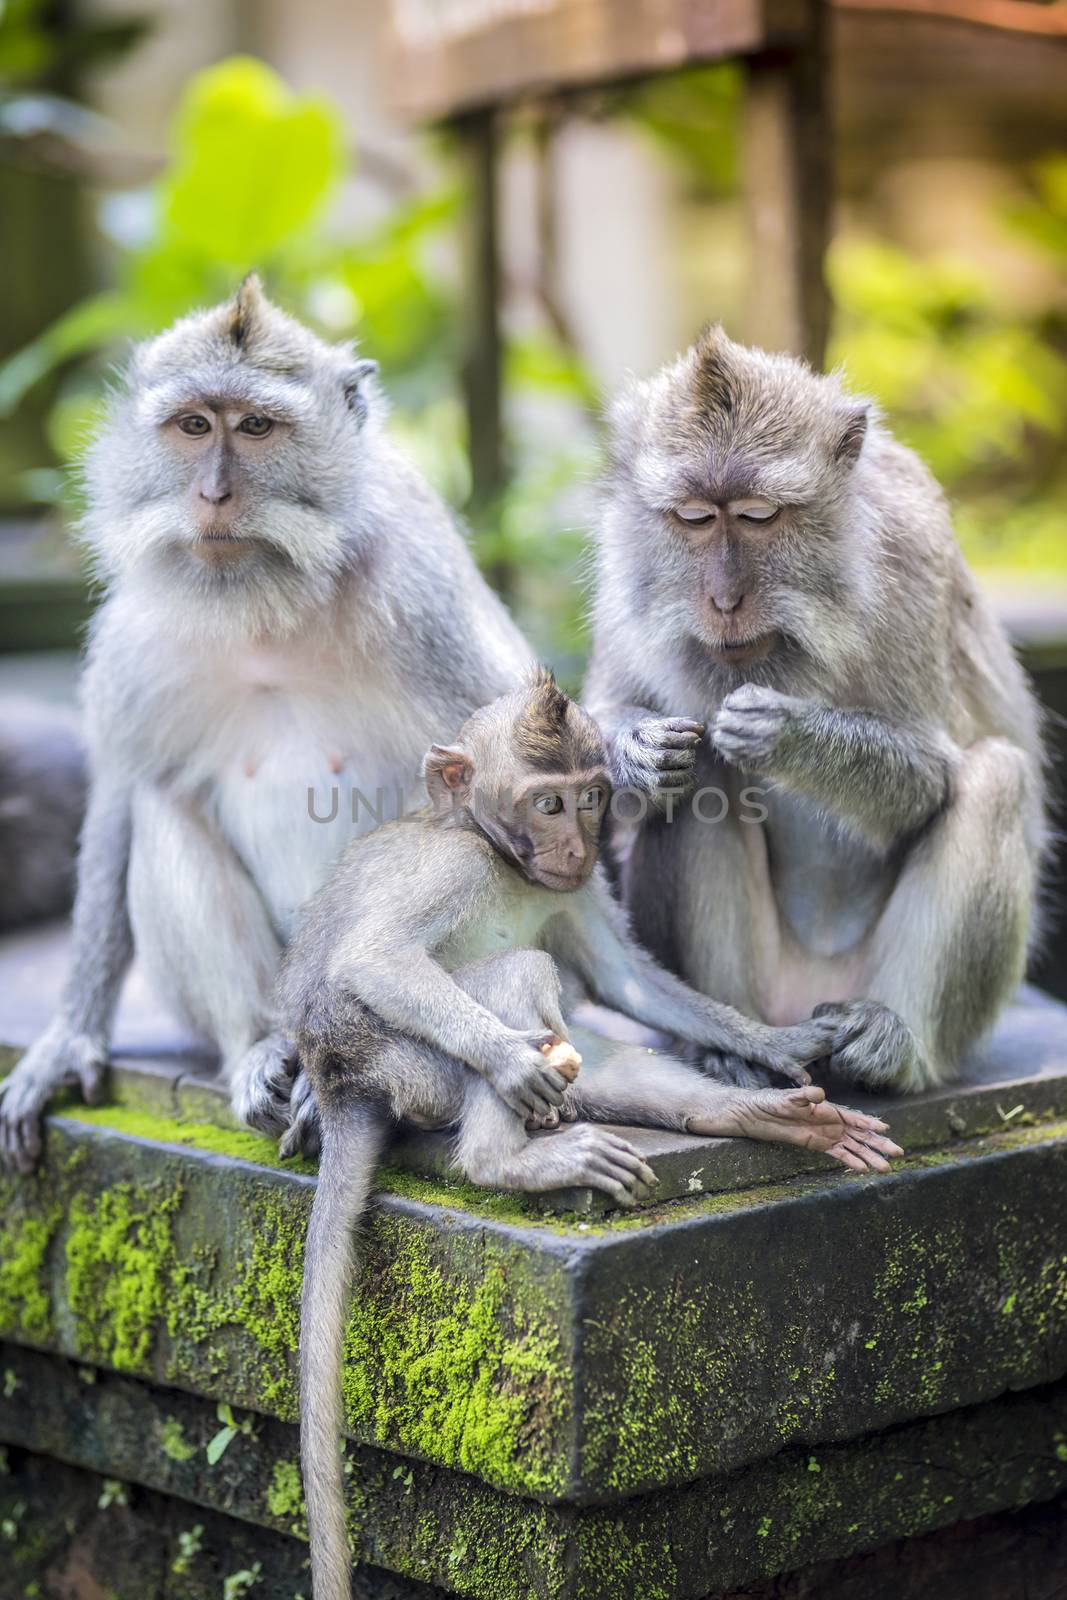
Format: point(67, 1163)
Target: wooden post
point(787, 160)
point(482, 345)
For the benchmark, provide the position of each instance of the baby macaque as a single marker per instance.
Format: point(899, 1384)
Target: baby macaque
point(423, 985)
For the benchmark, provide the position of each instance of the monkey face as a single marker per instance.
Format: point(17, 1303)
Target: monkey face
point(529, 772)
point(729, 542)
point(730, 504)
point(556, 822)
point(230, 465)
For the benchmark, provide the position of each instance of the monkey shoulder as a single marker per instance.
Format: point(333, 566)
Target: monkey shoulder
point(908, 503)
point(405, 868)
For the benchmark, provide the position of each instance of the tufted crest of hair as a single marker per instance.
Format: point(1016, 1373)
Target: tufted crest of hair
point(552, 733)
point(757, 423)
point(244, 334)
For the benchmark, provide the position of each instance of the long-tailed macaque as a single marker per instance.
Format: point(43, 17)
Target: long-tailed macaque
point(290, 615)
point(441, 1004)
point(775, 567)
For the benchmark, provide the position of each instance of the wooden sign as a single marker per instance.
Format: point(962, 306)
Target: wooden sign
point(452, 56)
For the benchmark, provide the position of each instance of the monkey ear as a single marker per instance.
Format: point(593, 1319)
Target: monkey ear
point(449, 773)
point(354, 380)
point(850, 440)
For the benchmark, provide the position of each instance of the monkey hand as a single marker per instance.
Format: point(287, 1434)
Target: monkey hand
point(565, 1058)
point(526, 1081)
point(60, 1059)
point(785, 1052)
point(657, 757)
point(757, 728)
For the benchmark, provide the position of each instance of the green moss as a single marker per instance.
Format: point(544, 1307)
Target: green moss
point(464, 1372)
point(240, 1144)
point(172, 1441)
point(120, 1257)
point(25, 1290)
point(267, 1294)
point(285, 1498)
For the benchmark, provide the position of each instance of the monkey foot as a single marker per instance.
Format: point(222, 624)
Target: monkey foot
point(263, 1084)
point(303, 1136)
point(588, 1156)
point(803, 1117)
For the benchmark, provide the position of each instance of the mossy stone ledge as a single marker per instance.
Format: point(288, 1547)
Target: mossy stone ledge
point(779, 1363)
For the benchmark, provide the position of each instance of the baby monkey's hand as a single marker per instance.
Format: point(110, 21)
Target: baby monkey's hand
point(533, 1078)
point(565, 1058)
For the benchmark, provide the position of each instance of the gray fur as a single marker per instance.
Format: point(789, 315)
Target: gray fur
point(350, 625)
point(434, 1005)
point(893, 731)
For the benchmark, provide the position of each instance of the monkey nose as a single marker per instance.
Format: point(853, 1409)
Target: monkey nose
point(216, 497)
point(726, 604)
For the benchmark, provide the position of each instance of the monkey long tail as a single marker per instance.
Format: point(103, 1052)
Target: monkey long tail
point(352, 1143)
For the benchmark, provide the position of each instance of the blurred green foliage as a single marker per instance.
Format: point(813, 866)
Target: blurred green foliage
point(976, 386)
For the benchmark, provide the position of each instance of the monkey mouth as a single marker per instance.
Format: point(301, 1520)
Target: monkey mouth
point(743, 652)
point(562, 881)
point(218, 546)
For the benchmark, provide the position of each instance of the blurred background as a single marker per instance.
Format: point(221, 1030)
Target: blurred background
point(508, 249)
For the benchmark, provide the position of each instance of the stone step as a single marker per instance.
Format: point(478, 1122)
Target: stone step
point(445, 1528)
point(554, 1357)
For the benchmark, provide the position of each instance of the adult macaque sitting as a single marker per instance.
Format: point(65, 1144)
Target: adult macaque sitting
point(290, 611)
point(776, 567)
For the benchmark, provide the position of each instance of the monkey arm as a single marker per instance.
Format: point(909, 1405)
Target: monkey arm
point(882, 780)
point(592, 937)
point(101, 941)
point(74, 1045)
point(413, 993)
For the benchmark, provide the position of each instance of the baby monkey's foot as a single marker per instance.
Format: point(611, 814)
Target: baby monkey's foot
point(803, 1117)
point(584, 1156)
point(303, 1136)
point(263, 1084)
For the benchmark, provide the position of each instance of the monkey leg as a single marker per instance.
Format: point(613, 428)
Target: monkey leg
point(656, 1091)
point(521, 987)
point(493, 1145)
point(950, 947)
point(494, 1148)
point(205, 939)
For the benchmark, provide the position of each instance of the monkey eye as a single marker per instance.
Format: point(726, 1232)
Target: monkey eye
point(549, 804)
point(194, 425)
point(755, 510)
point(590, 799)
point(255, 427)
point(695, 513)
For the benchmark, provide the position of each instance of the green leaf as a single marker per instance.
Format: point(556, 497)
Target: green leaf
point(253, 162)
point(218, 1444)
